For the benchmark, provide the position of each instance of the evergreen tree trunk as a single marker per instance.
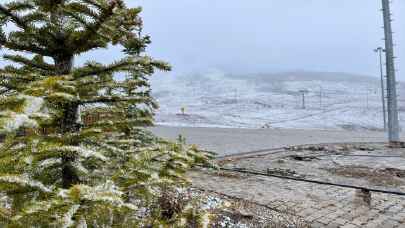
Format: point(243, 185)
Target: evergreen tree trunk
point(68, 124)
point(64, 63)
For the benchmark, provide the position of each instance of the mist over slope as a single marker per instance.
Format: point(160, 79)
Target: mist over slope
point(332, 100)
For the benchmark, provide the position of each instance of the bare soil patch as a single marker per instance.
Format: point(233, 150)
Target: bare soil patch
point(384, 176)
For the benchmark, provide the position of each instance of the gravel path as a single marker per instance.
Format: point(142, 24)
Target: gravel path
point(225, 141)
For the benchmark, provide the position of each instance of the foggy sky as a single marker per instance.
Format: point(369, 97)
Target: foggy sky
point(242, 36)
point(266, 36)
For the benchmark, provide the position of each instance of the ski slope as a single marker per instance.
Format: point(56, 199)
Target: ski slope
point(214, 99)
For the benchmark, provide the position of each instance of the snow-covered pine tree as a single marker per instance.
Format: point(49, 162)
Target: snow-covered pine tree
point(56, 171)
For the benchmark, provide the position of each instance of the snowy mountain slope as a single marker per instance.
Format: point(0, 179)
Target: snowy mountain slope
point(333, 101)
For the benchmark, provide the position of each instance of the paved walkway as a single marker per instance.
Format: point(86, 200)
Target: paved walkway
point(320, 206)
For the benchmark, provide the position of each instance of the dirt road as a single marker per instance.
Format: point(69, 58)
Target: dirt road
point(226, 141)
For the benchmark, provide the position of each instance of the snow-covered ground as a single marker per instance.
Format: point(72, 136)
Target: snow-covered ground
point(332, 101)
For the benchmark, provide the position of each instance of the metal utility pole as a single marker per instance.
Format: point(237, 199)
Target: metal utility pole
point(303, 92)
point(320, 97)
point(380, 51)
point(393, 122)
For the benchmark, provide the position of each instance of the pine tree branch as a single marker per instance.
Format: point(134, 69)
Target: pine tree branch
point(91, 83)
point(20, 5)
point(93, 3)
point(5, 91)
point(23, 23)
point(14, 82)
point(89, 45)
point(113, 99)
point(21, 80)
point(91, 70)
point(25, 47)
point(132, 64)
point(80, 8)
point(17, 20)
point(8, 86)
point(30, 63)
point(92, 30)
point(115, 85)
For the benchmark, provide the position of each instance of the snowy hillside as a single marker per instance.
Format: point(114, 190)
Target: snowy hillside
point(332, 101)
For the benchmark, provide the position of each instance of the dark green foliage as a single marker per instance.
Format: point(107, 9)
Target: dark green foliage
point(54, 170)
